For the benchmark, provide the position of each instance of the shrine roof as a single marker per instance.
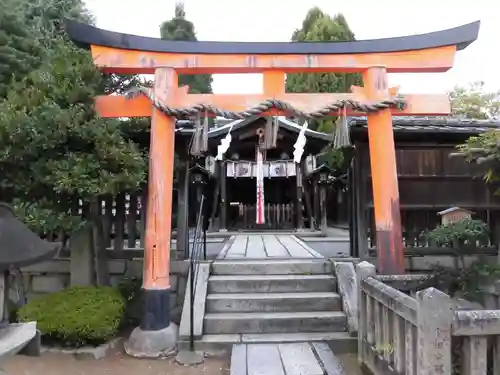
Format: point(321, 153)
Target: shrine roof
point(448, 125)
point(284, 123)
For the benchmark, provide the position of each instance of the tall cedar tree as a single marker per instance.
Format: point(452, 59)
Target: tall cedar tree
point(320, 27)
point(179, 28)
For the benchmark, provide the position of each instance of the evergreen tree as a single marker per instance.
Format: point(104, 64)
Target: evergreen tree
point(46, 17)
point(179, 28)
point(320, 27)
point(53, 145)
point(19, 50)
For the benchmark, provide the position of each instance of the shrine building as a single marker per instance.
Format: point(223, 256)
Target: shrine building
point(257, 186)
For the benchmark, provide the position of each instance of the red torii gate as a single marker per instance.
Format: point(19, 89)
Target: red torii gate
point(130, 54)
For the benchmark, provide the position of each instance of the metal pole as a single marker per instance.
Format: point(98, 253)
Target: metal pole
point(191, 309)
point(204, 242)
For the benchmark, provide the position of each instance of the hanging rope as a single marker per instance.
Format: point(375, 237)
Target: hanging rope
point(271, 133)
point(341, 138)
point(264, 106)
point(199, 141)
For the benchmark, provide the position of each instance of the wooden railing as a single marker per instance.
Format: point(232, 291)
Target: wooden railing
point(429, 333)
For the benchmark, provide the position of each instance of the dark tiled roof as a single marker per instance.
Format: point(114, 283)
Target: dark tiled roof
point(433, 124)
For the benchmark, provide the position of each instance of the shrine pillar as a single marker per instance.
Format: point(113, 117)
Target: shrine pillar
point(390, 252)
point(223, 196)
point(157, 336)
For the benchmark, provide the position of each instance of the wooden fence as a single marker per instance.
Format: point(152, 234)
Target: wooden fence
point(429, 333)
point(123, 220)
point(429, 181)
point(277, 216)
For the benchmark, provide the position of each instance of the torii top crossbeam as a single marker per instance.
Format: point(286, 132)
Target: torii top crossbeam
point(129, 54)
point(124, 53)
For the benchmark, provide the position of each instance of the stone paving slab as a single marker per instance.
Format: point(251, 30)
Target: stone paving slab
point(300, 358)
point(267, 246)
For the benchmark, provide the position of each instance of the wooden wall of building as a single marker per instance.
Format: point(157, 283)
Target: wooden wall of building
point(429, 181)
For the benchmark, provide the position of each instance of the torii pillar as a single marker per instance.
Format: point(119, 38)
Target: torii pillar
point(156, 333)
point(129, 54)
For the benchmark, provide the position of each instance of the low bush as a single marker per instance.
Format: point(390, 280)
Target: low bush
point(77, 316)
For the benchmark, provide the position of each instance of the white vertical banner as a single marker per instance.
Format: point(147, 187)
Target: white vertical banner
point(260, 217)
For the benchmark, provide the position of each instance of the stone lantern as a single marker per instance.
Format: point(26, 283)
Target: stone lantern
point(199, 177)
point(19, 247)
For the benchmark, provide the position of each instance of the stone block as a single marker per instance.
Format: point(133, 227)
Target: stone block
point(53, 266)
point(48, 283)
point(173, 282)
point(33, 348)
point(134, 268)
point(116, 266)
point(173, 300)
point(114, 280)
point(181, 267)
point(81, 258)
point(181, 286)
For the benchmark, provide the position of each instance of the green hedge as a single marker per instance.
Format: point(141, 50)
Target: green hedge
point(77, 316)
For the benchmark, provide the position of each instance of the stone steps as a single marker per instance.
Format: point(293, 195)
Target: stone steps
point(271, 283)
point(272, 302)
point(274, 322)
point(271, 267)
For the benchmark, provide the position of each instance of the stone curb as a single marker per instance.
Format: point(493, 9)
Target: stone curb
point(86, 352)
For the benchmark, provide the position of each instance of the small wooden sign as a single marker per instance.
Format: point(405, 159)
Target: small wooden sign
point(454, 214)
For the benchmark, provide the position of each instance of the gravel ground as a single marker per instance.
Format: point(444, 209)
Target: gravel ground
point(114, 364)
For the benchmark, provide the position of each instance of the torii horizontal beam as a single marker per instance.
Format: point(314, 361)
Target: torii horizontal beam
point(124, 53)
point(119, 106)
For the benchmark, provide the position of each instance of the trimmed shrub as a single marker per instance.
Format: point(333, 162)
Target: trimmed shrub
point(76, 316)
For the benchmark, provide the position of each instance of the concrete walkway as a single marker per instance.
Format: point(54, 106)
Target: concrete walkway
point(266, 246)
point(302, 358)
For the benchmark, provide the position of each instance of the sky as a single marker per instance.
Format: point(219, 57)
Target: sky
point(275, 21)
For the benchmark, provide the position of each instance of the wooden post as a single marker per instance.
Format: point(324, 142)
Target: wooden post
point(307, 201)
point(298, 201)
point(183, 207)
point(315, 200)
point(322, 193)
point(384, 176)
point(223, 197)
point(156, 315)
point(360, 187)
